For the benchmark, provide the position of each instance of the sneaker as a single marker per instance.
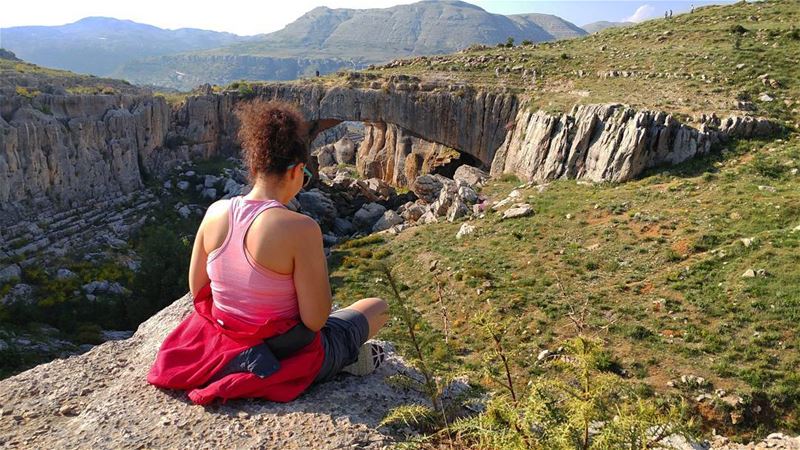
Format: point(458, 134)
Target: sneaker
point(370, 357)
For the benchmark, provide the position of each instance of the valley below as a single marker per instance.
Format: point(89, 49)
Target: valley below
point(526, 210)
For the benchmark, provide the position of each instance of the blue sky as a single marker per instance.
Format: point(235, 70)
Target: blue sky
point(587, 11)
point(248, 17)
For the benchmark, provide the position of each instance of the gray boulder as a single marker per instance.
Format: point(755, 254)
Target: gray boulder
point(325, 156)
point(413, 212)
point(344, 151)
point(457, 210)
point(427, 187)
point(366, 217)
point(343, 227)
point(388, 220)
point(518, 210)
point(209, 181)
point(8, 273)
point(65, 274)
point(319, 206)
point(20, 293)
point(209, 194)
point(470, 175)
point(467, 194)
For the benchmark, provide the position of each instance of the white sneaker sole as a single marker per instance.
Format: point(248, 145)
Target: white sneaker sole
point(370, 357)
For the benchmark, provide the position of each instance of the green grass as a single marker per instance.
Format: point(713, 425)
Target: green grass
point(686, 65)
point(657, 263)
point(37, 79)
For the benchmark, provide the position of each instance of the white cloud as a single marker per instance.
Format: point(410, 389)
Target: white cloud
point(642, 13)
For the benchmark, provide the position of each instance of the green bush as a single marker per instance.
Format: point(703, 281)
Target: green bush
point(578, 406)
point(163, 275)
point(738, 29)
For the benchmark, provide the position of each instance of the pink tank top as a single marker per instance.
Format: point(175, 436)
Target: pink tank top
point(241, 286)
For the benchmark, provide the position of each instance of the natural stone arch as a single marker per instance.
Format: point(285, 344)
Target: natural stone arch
point(467, 121)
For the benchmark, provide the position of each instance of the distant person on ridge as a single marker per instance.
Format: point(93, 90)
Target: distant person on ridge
point(262, 325)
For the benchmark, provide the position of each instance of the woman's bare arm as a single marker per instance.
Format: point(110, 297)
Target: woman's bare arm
point(198, 276)
point(311, 275)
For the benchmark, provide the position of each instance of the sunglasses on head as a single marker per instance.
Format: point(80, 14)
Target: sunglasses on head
point(307, 175)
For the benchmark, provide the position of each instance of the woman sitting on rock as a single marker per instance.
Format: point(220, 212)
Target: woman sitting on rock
point(262, 325)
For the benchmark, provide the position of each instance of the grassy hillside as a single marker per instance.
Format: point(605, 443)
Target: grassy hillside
point(30, 79)
point(659, 267)
point(699, 62)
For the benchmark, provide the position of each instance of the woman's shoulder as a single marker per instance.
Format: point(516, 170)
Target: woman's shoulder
point(293, 221)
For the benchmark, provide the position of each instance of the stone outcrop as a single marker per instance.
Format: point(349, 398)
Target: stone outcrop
point(609, 142)
point(65, 150)
point(59, 149)
point(106, 221)
point(394, 155)
point(471, 121)
point(203, 126)
point(101, 400)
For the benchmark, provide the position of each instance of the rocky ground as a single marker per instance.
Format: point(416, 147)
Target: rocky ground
point(101, 400)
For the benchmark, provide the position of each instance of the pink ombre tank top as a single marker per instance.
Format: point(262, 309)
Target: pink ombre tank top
point(240, 286)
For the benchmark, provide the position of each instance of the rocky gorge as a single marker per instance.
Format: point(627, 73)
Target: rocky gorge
point(83, 171)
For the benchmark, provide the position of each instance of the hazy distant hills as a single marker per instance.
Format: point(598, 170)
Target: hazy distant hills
point(427, 27)
point(323, 39)
point(100, 45)
point(594, 27)
point(326, 39)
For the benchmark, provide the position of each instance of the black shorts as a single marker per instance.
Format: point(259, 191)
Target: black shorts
point(342, 336)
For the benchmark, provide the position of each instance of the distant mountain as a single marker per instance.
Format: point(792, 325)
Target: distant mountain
point(326, 39)
point(322, 40)
point(99, 45)
point(5, 54)
point(426, 27)
point(594, 27)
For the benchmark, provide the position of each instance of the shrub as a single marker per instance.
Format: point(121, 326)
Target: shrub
point(163, 274)
point(246, 90)
point(738, 29)
point(577, 407)
point(767, 167)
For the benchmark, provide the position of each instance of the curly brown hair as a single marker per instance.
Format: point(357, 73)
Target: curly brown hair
point(273, 135)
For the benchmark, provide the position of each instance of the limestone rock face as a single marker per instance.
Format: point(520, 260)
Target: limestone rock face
point(203, 126)
point(394, 155)
point(101, 400)
point(610, 142)
point(60, 149)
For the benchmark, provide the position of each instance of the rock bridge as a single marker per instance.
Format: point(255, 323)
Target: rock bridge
point(609, 142)
point(67, 150)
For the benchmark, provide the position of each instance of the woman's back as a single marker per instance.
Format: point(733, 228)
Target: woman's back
point(249, 265)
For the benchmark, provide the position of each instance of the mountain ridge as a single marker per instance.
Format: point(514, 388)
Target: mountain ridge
point(323, 39)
